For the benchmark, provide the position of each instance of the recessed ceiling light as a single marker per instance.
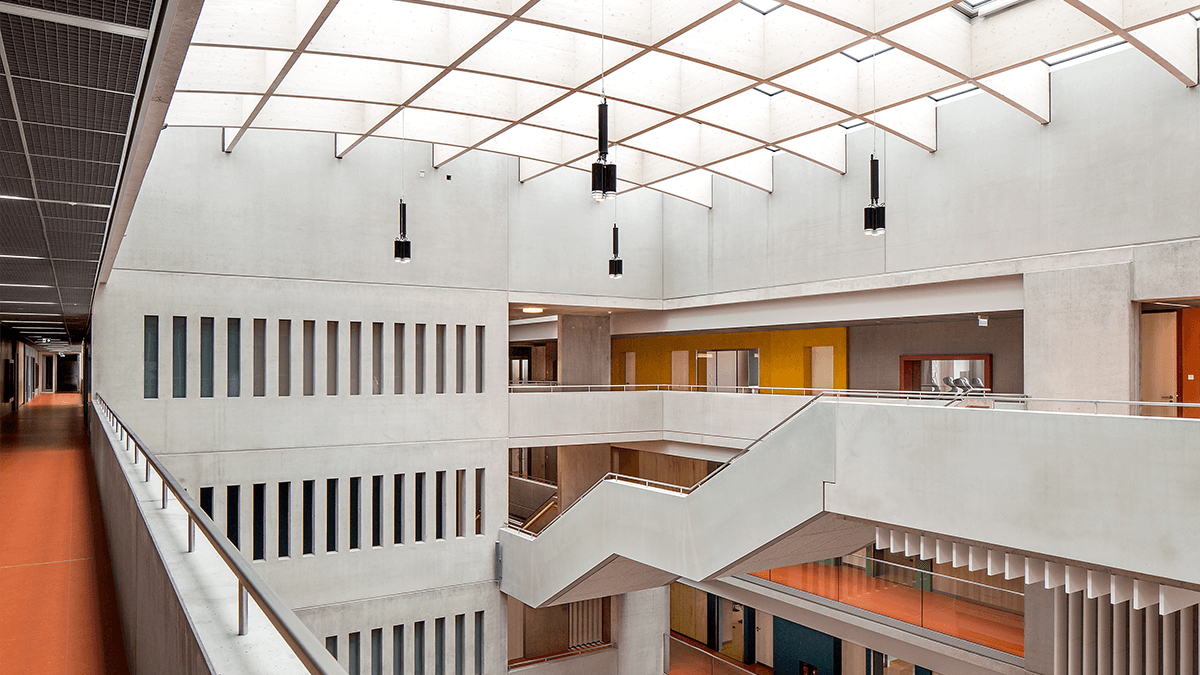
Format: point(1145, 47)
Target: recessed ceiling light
point(1173, 304)
point(532, 310)
point(768, 89)
point(762, 6)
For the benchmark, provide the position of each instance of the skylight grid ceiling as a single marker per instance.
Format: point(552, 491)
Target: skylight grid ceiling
point(71, 72)
point(696, 87)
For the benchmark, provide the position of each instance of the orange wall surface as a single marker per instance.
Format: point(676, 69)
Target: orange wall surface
point(784, 355)
point(1188, 344)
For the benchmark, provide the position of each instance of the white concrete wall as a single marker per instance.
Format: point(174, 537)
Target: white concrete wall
point(1113, 167)
point(1081, 335)
point(573, 418)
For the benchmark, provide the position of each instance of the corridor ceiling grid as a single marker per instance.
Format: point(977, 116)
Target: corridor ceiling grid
point(71, 70)
point(696, 87)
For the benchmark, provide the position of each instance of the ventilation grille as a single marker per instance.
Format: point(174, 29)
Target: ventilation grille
point(68, 106)
point(129, 13)
point(74, 171)
point(55, 52)
point(74, 192)
point(21, 271)
point(91, 146)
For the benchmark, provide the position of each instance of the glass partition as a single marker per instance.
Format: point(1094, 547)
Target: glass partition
point(984, 614)
point(929, 373)
point(729, 370)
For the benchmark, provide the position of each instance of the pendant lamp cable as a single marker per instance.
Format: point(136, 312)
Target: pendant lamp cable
point(602, 91)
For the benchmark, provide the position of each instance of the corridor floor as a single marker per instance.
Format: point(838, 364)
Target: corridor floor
point(58, 609)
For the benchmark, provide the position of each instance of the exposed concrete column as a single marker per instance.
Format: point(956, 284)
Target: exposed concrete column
point(1039, 629)
point(1081, 331)
point(642, 618)
point(584, 350)
point(579, 468)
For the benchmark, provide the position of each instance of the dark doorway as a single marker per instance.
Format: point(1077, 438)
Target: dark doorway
point(48, 385)
point(68, 372)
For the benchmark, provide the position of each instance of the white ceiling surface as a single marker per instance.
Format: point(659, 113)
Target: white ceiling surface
point(523, 77)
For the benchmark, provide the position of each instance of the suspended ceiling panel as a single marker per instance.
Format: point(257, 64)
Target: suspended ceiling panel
point(696, 87)
point(72, 71)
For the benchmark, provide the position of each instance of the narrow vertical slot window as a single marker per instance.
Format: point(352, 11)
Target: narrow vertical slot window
point(353, 653)
point(479, 643)
point(439, 505)
point(331, 645)
point(233, 339)
point(439, 646)
point(179, 357)
point(460, 630)
point(285, 520)
point(398, 358)
point(331, 358)
point(309, 357)
point(460, 497)
point(479, 343)
point(310, 517)
point(460, 359)
point(206, 357)
point(233, 494)
point(376, 359)
point(478, 501)
point(285, 357)
point(355, 512)
point(419, 648)
point(355, 358)
point(376, 651)
point(418, 358)
point(398, 650)
point(206, 502)
point(331, 486)
point(419, 507)
point(260, 357)
point(149, 357)
point(259, 528)
point(439, 356)
point(376, 510)
point(398, 508)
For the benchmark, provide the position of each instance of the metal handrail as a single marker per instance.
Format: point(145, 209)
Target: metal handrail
point(533, 479)
point(716, 656)
point(542, 510)
point(932, 573)
point(893, 394)
point(311, 653)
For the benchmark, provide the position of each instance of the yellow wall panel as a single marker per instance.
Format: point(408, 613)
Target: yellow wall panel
point(784, 355)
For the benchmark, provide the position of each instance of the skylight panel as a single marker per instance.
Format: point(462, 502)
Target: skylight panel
point(762, 6)
point(1086, 50)
point(852, 124)
point(865, 50)
point(768, 89)
point(952, 92)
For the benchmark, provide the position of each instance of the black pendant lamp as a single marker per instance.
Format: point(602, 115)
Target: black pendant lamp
point(615, 266)
point(604, 173)
point(403, 245)
point(873, 215)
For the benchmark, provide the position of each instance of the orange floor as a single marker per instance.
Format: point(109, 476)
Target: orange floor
point(972, 621)
point(58, 608)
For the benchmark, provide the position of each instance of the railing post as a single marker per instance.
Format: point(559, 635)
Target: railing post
point(191, 534)
point(147, 469)
point(1095, 407)
point(164, 486)
point(135, 449)
point(243, 609)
